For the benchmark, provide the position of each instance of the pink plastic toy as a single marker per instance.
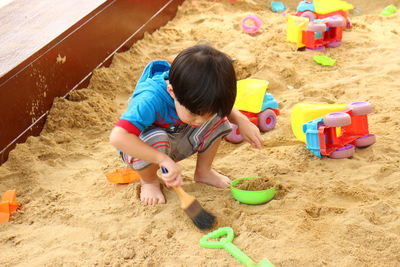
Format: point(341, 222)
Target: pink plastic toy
point(251, 29)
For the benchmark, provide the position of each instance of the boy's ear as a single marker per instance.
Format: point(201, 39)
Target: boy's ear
point(170, 90)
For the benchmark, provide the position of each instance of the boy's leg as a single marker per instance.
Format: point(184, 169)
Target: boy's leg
point(150, 193)
point(204, 173)
point(150, 190)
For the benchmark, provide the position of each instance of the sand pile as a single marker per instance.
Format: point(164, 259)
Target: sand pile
point(333, 213)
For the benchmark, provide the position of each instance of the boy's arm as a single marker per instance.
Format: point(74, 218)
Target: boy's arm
point(133, 146)
point(248, 130)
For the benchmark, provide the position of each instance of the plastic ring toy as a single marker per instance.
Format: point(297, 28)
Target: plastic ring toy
point(251, 29)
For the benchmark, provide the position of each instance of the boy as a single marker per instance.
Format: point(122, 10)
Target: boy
point(176, 111)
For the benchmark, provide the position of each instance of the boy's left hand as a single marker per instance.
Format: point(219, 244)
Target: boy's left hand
point(250, 133)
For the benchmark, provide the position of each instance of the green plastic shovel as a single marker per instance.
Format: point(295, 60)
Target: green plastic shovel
point(226, 243)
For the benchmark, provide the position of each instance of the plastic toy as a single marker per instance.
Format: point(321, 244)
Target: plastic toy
point(332, 130)
point(388, 11)
point(251, 197)
point(123, 176)
point(259, 106)
point(224, 237)
point(251, 29)
point(319, 24)
point(324, 60)
point(8, 205)
point(277, 6)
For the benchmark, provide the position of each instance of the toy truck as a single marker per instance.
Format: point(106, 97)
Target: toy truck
point(332, 130)
point(318, 24)
point(253, 101)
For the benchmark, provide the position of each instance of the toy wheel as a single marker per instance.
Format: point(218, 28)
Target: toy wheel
point(316, 27)
point(234, 136)
point(345, 152)
point(251, 29)
point(337, 119)
point(336, 21)
point(360, 108)
point(267, 120)
point(308, 14)
point(365, 141)
point(334, 44)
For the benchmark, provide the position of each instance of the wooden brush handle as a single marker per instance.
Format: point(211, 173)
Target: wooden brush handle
point(186, 199)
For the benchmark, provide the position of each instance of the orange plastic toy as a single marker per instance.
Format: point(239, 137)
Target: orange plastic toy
point(123, 176)
point(8, 205)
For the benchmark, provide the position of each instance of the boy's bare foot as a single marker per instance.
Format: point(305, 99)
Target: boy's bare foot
point(213, 178)
point(150, 193)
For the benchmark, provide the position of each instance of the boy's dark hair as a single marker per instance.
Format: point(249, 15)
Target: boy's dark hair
point(204, 80)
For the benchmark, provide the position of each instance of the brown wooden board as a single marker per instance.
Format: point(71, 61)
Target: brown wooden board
point(66, 63)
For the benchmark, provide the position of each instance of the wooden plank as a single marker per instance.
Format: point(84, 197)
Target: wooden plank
point(27, 26)
point(66, 63)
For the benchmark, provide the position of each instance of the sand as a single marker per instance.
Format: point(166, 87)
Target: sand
point(342, 212)
point(256, 184)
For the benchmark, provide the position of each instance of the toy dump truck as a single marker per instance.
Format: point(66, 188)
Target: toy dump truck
point(332, 130)
point(318, 24)
point(259, 106)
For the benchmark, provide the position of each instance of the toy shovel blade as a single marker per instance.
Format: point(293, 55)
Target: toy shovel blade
point(123, 176)
point(223, 239)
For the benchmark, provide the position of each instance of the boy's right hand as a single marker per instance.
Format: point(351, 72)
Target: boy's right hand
point(172, 177)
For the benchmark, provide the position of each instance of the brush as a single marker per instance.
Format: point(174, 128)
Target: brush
point(199, 216)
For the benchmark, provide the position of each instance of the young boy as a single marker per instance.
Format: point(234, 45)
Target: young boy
point(176, 111)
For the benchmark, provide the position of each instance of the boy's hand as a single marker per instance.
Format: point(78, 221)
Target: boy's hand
point(248, 130)
point(250, 133)
point(172, 177)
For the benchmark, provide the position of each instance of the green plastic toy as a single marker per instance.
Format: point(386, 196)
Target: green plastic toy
point(388, 11)
point(324, 60)
point(251, 197)
point(226, 243)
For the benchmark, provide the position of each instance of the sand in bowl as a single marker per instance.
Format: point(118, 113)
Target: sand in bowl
point(255, 184)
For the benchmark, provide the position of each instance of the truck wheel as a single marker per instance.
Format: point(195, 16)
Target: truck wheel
point(345, 152)
point(308, 14)
point(360, 108)
point(334, 44)
point(336, 21)
point(266, 120)
point(365, 141)
point(234, 136)
point(337, 119)
point(316, 27)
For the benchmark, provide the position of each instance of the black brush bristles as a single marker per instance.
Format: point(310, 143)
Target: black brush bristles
point(204, 220)
point(200, 217)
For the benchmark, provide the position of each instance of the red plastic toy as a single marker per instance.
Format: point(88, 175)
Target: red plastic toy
point(326, 22)
point(8, 205)
point(337, 134)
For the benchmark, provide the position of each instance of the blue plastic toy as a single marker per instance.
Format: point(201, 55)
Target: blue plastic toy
point(277, 6)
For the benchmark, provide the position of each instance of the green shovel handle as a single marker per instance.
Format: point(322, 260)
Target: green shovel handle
point(238, 254)
point(222, 238)
point(243, 258)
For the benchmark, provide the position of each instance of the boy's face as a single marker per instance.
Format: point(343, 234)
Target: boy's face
point(185, 115)
point(188, 117)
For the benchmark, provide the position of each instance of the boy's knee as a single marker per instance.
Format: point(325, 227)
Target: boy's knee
point(158, 140)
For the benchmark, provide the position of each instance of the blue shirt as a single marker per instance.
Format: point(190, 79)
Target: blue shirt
point(150, 104)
